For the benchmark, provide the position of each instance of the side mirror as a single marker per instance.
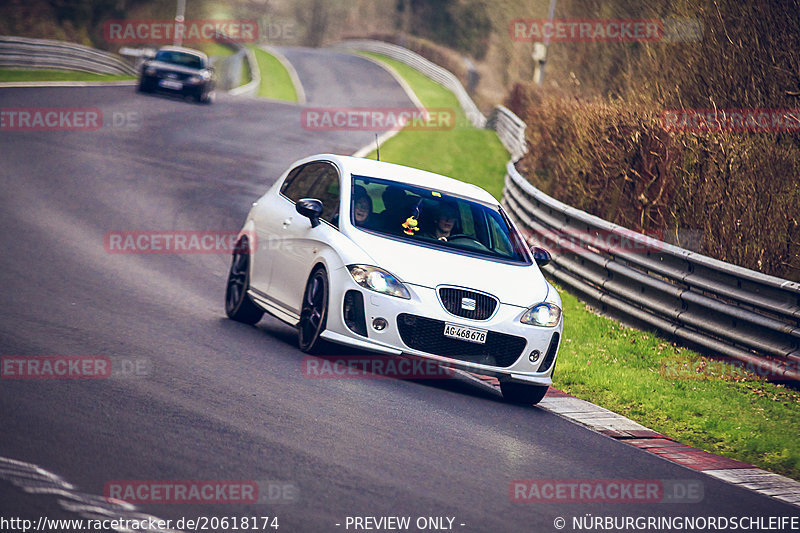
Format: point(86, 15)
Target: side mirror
point(310, 208)
point(541, 256)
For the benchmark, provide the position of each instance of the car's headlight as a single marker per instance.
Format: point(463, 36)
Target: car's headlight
point(197, 78)
point(378, 280)
point(543, 314)
point(150, 71)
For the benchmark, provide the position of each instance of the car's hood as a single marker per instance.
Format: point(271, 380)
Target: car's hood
point(522, 285)
point(172, 67)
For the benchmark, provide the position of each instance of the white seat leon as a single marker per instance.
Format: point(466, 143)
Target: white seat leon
point(398, 261)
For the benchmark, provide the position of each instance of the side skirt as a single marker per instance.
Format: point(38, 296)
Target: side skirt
point(273, 308)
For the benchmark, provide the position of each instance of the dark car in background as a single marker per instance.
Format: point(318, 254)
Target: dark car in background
point(181, 71)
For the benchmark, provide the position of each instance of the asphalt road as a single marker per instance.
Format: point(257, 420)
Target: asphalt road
point(224, 401)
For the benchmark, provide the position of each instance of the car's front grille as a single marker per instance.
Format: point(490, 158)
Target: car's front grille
point(170, 75)
point(468, 304)
point(427, 335)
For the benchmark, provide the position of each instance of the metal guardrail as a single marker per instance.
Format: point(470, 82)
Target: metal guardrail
point(229, 71)
point(729, 310)
point(21, 52)
point(510, 129)
point(251, 88)
point(429, 69)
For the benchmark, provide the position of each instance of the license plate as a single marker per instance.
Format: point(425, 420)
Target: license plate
point(478, 336)
point(171, 84)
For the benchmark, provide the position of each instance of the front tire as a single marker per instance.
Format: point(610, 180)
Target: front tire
point(238, 305)
point(522, 393)
point(314, 312)
point(207, 98)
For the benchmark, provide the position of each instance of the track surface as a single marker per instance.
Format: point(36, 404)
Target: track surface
point(226, 401)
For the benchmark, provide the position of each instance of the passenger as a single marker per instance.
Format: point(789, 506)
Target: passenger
point(362, 207)
point(397, 209)
point(444, 221)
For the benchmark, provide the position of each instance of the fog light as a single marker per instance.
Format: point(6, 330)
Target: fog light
point(534, 356)
point(379, 324)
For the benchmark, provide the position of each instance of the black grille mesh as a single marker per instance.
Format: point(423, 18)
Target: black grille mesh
point(551, 353)
point(354, 312)
point(427, 335)
point(169, 74)
point(452, 301)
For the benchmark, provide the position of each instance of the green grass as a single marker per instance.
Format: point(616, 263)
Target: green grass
point(694, 399)
point(275, 80)
point(679, 393)
point(467, 153)
point(17, 75)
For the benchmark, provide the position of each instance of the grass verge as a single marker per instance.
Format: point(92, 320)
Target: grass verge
point(691, 398)
point(19, 75)
point(275, 80)
point(467, 153)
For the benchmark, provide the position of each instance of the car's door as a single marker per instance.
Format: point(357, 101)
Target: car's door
point(297, 244)
point(266, 246)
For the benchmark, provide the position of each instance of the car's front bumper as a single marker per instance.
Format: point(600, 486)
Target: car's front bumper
point(186, 88)
point(513, 360)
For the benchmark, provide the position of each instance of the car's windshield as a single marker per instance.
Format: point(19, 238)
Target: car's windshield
point(433, 218)
point(180, 58)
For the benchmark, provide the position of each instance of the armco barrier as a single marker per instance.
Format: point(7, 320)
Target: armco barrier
point(25, 53)
point(724, 308)
point(727, 309)
point(251, 88)
point(21, 52)
point(510, 129)
point(229, 71)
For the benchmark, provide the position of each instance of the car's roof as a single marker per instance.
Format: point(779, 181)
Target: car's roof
point(184, 50)
point(412, 176)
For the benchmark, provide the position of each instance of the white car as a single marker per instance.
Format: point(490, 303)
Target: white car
point(398, 261)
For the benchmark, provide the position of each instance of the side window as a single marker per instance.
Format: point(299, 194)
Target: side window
point(326, 189)
point(300, 180)
point(315, 180)
point(500, 241)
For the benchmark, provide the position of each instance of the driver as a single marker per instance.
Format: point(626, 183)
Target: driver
point(443, 222)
